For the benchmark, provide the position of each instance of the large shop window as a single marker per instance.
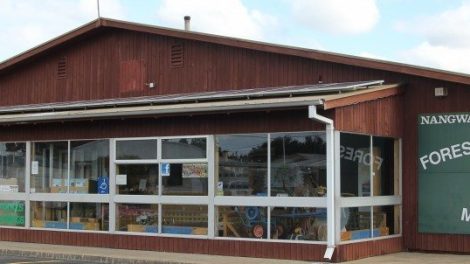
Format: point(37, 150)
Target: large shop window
point(83, 216)
point(89, 165)
point(151, 175)
point(49, 167)
point(88, 169)
point(12, 213)
point(298, 164)
point(242, 164)
point(277, 165)
point(369, 168)
point(12, 167)
point(266, 186)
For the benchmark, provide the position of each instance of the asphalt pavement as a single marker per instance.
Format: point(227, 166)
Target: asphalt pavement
point(6, 259)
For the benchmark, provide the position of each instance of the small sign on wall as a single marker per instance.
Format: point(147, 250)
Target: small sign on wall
point(165, 169)
point(35, 167)
point(121, 179)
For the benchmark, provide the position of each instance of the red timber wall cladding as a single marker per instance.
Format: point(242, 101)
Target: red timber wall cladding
point(116, 63)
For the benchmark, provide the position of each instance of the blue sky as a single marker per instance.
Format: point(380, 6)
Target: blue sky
point(432, 33)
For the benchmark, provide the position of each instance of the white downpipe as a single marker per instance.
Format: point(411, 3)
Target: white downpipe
point(330, 179)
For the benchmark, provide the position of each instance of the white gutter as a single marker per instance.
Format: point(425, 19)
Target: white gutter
point(330, 179)
point(149, 110)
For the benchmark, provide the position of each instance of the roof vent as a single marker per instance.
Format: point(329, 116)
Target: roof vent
point(62, 68)
point(187, 23)
point(177, 55)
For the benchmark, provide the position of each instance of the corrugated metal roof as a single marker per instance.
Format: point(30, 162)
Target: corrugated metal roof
point(191, 107)
point(269, 92)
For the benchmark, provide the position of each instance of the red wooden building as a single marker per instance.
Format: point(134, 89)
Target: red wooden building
point(131, 136)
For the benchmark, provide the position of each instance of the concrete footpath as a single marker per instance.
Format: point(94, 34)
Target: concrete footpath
point(106, 255)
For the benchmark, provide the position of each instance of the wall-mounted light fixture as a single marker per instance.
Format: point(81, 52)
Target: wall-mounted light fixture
point(440, 92)
point(150, 85)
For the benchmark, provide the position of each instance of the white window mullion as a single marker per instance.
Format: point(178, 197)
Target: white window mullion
point(268, 213)
point(337, 175)
point(68, 215)
point(112, 185)
point(27, 188)
point(160, 184)
point(211, 186)
point(269, 166)
point(68, 167)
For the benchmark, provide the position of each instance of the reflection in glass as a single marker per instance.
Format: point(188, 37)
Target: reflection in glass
point(355, 223)
point(89, 163)
point(136, 149)
point(355, 165)
point(49, 165)
point(137, 218)
point(299, 223)
point(184, 219)
point(12, 213)
point(184, 179)
point(12, 167)
point(89, 216)
point(242, 164)
point(184, 148)
point(386, 220)
point(138, 179)
point(385, 166)
point(242, 221)
point(298, 164)
point(49, 215)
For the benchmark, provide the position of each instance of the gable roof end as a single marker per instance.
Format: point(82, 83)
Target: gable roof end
point(239, 43)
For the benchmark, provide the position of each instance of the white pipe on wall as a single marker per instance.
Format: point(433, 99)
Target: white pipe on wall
point(330, 179)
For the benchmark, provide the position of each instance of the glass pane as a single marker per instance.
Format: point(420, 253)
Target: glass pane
point(298, 164)
point(136, 149)
point(12, 164)
point(386, 220)
point(385, 166)
point(89, 216)
point(12, 213)
point(137, 218)
point(49, 165)
point(242, 221)
point(89, 166)
point(184, 148)
point(355, 223)
point(184, 179)
point(355, 165)
point(49, 214)
point(137, 179)
point(242, 165)
point(299, 223)
point(184, 219)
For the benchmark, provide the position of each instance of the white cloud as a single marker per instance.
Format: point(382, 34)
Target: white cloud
point(228, 18)
point(446, 39)
point(28, 23)
point(442, 57)
point(369, 55)
point(449, 28)
point(336, 16)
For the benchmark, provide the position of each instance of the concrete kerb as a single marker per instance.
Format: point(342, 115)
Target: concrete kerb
point(81, 257)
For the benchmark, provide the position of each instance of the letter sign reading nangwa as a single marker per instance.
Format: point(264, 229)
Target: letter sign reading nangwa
point(444, 173)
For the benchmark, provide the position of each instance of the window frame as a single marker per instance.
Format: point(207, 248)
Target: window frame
point(367, 201)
